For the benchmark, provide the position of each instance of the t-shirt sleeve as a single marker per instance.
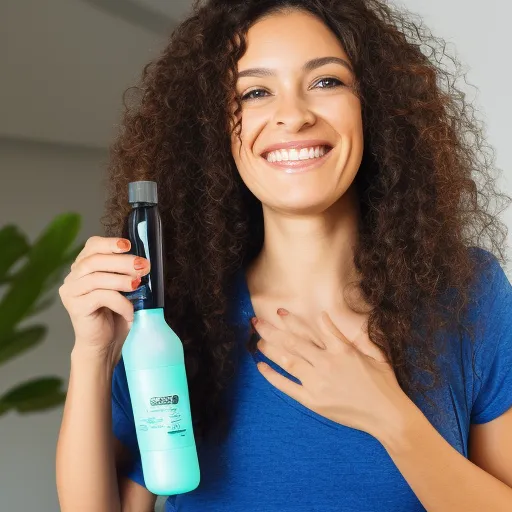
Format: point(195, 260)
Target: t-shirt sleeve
point(123, 424)
point(493, 356)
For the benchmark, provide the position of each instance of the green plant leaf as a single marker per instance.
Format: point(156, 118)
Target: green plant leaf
point(18, 342)
point(40, 305)
point(70, 257)
point(4, 407)
point(14, 246)
point(44, 258)
point(48, 293)
point(34, 395)
point(41, 403)
point(33, 388)
point(57, 275)
point(57, 239)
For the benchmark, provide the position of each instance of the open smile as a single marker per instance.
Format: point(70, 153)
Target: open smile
point(298, 166)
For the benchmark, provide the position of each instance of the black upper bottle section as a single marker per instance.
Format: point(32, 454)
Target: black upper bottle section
point(143, 228)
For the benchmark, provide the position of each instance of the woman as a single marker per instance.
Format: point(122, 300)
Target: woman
point(314, 174)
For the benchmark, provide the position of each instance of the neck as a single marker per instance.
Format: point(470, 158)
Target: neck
point(308, 258)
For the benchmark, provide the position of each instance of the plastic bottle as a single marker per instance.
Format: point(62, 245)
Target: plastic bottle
point(154, 362)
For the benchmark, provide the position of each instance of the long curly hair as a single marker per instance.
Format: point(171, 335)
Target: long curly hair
point(425, 183)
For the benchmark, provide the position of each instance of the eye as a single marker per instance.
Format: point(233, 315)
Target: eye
point(258, 93)
point(249, 96)
point(330, 79)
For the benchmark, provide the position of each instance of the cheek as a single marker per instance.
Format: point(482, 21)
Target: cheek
point(345, 117)
point(243, 161)
point(243, 151)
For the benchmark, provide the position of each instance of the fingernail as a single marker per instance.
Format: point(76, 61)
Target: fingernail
point(123, 244)
point(262, 367)
point(254, 321)
point(139, 263)
point(135, 283)
point(282, 312)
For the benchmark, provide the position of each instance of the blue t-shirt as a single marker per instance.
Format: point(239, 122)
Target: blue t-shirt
point(279, 456)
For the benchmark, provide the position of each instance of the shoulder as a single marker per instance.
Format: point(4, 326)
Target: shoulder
point(492, 317)
point(491, 298)
point(491, 278)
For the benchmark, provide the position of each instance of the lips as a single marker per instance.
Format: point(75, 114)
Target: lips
point(297, 144)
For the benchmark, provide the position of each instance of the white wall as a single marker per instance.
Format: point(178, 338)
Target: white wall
point(38, 181)
point(479, 34)
point(65, 65)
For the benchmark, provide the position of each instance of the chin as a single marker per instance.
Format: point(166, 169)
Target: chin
point(302, 203)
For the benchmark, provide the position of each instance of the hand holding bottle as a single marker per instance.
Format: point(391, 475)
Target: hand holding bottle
point(101, 316)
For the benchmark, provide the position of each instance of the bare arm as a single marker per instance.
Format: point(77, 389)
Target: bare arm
point(442, 478)
point(134, 497)
point(490, 447)
point(87, 456)
point(87, 453)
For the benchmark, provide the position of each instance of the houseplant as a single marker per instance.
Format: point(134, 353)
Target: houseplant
point(29, 274)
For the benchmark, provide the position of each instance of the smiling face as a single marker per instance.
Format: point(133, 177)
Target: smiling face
point(305, 97)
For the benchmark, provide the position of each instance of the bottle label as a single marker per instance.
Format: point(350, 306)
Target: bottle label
point(161, 407)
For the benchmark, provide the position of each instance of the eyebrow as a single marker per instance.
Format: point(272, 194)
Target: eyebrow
point(308, 66)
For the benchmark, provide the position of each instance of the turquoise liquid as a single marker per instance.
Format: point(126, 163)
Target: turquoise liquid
point(157, 381)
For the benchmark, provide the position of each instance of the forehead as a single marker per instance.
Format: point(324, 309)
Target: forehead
point(289, 38)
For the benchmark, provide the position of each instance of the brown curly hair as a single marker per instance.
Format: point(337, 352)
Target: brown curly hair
point(425, 183)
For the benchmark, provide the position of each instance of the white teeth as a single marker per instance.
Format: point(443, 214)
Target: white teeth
point(293, 154)
point(304, 154)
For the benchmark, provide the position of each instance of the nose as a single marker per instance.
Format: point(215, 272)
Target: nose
point(293, 112)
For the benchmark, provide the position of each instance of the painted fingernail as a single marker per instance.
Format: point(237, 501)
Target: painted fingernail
point(135, 283)
point(123, 244)
point(282, 312)
point(139, 263)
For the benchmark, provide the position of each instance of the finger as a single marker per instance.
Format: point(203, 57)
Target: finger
point(284, 384)
point(88, 304)
point(333, 330)
point(103, 281)
point(102, 245)
point(284, 344)
point(292, 363)
point(123, 264)
point(368, 349)
point(299, 327)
